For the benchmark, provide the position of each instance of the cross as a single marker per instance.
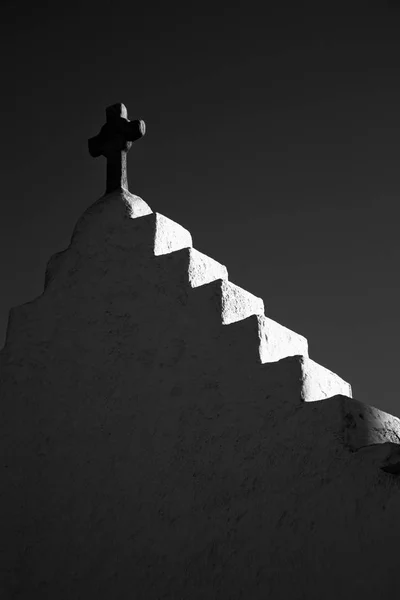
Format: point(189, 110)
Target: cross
point(113, 142)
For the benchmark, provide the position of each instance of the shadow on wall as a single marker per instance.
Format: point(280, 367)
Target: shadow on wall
point(372, 432)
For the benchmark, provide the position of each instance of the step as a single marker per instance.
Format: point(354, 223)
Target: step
point(277, 341)
point(327, 402)
point(263, 340)
point(168, 235)
point(319, 383)
point(237, 303)
point(153, 233)
point(307, 380)
point(202, 269)
point(361, 427)
point(192, 267)
point(54, 267)
point(99, 250)
point(364, 425)
point(224, 302)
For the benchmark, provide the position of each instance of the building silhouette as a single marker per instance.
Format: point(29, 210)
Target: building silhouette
point(162, 438)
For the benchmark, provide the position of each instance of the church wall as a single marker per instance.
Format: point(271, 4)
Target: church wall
point(151, 451)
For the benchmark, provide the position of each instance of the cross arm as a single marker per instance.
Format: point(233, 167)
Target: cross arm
point(116, 134)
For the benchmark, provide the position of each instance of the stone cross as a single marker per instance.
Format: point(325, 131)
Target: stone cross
point(113, 142)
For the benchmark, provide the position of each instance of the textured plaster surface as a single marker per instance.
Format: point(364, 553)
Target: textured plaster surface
point(277, 341)
point(319, 382)
point(152, 448)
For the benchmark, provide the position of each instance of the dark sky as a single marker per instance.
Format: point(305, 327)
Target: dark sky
point(272, 135)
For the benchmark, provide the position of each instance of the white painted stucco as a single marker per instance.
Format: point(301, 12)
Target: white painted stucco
point(161, 437)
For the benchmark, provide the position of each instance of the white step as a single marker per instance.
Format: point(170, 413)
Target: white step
point(202, 269)
point(191, 266)
point(225, 302)
point(277, 341)
point(168, 235)
point(304, 379)
point(237, 303)
point(319, 383)
point(259, 339)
